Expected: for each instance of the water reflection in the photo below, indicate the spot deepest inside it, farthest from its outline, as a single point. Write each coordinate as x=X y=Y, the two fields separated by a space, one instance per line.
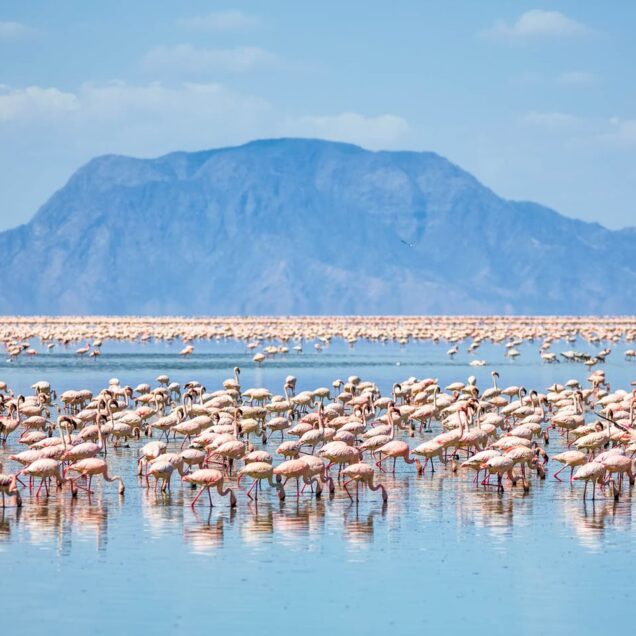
x=359 y=523
x=207 y=532
x=258 y=522
x=5 y=522
x=414 y=502
x=298 y=519
x=56 y=523
x=591 y=520
x=162 y=512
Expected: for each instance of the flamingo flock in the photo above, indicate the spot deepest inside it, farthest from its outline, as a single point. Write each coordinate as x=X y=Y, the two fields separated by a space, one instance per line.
x=268 y=337
x=347 y=438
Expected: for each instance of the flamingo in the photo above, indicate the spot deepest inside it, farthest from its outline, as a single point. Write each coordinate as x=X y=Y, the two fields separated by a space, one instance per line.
x=571 y=458
x=12 y=421
x=258 y=471
x=44 y=468
x=340 y=453
x=429 y=450
x=298 y=469
x=592 y=471
x=148 y=452
x=9 y=486
x=395 y=448
x=208 y=478
x=362 y=473
x=499 y=465
x=616 y=463
x=92 y=467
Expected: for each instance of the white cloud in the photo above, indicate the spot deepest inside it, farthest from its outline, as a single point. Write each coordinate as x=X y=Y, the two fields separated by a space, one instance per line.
x=14 y=30
x=622 y=132
x=550 y=120
x=142 y=119
x=585 y=132
x=537 y=23
x=185 y=58
x=154 y=118
x=382 y=131
x=576 y=78
x=220 y=21
x=34 y=102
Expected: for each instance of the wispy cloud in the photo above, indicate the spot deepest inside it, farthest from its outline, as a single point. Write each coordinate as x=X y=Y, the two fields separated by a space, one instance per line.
x=382 y=131
x=622 y=132
x=153 y=118
x=551 y=120
x=585 y=131
x=186 y=58
x=576 y=78
x=537 y=23
x=138 y=119
x=14 y=30
x=220 y=21
x=34 y=102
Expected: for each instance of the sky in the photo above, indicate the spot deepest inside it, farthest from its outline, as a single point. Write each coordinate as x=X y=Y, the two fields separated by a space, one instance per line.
x=538 y=101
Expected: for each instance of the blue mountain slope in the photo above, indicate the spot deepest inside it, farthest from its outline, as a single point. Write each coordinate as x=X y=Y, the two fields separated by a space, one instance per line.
x=305 y=226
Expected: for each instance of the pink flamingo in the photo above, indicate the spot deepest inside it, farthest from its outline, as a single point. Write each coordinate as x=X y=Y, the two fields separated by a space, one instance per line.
x=209 y=478
x=395 y=449
x=91 y=467
x=362 y=473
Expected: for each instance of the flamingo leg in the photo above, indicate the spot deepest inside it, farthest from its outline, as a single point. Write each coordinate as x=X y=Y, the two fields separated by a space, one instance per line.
x=90 y=492
x=251 y=488
x=556 y=475
x=197 y=497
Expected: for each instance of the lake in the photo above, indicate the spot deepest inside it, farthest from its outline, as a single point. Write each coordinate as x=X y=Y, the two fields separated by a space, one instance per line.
x=443 y=555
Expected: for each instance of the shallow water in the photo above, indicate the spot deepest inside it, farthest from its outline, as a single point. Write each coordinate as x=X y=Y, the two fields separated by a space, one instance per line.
x=441 y=555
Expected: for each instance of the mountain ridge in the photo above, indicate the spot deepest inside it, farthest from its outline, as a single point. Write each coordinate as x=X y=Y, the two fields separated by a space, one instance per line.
x=301 y=226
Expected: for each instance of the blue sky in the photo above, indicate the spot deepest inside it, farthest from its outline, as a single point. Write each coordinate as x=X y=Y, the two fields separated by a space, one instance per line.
x=537 y=100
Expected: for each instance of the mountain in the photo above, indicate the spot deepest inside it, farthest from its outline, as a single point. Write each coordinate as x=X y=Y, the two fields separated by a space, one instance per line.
x=298 y=226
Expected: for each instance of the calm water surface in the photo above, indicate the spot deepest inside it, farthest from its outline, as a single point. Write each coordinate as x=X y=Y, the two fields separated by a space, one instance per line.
x=442 y=555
